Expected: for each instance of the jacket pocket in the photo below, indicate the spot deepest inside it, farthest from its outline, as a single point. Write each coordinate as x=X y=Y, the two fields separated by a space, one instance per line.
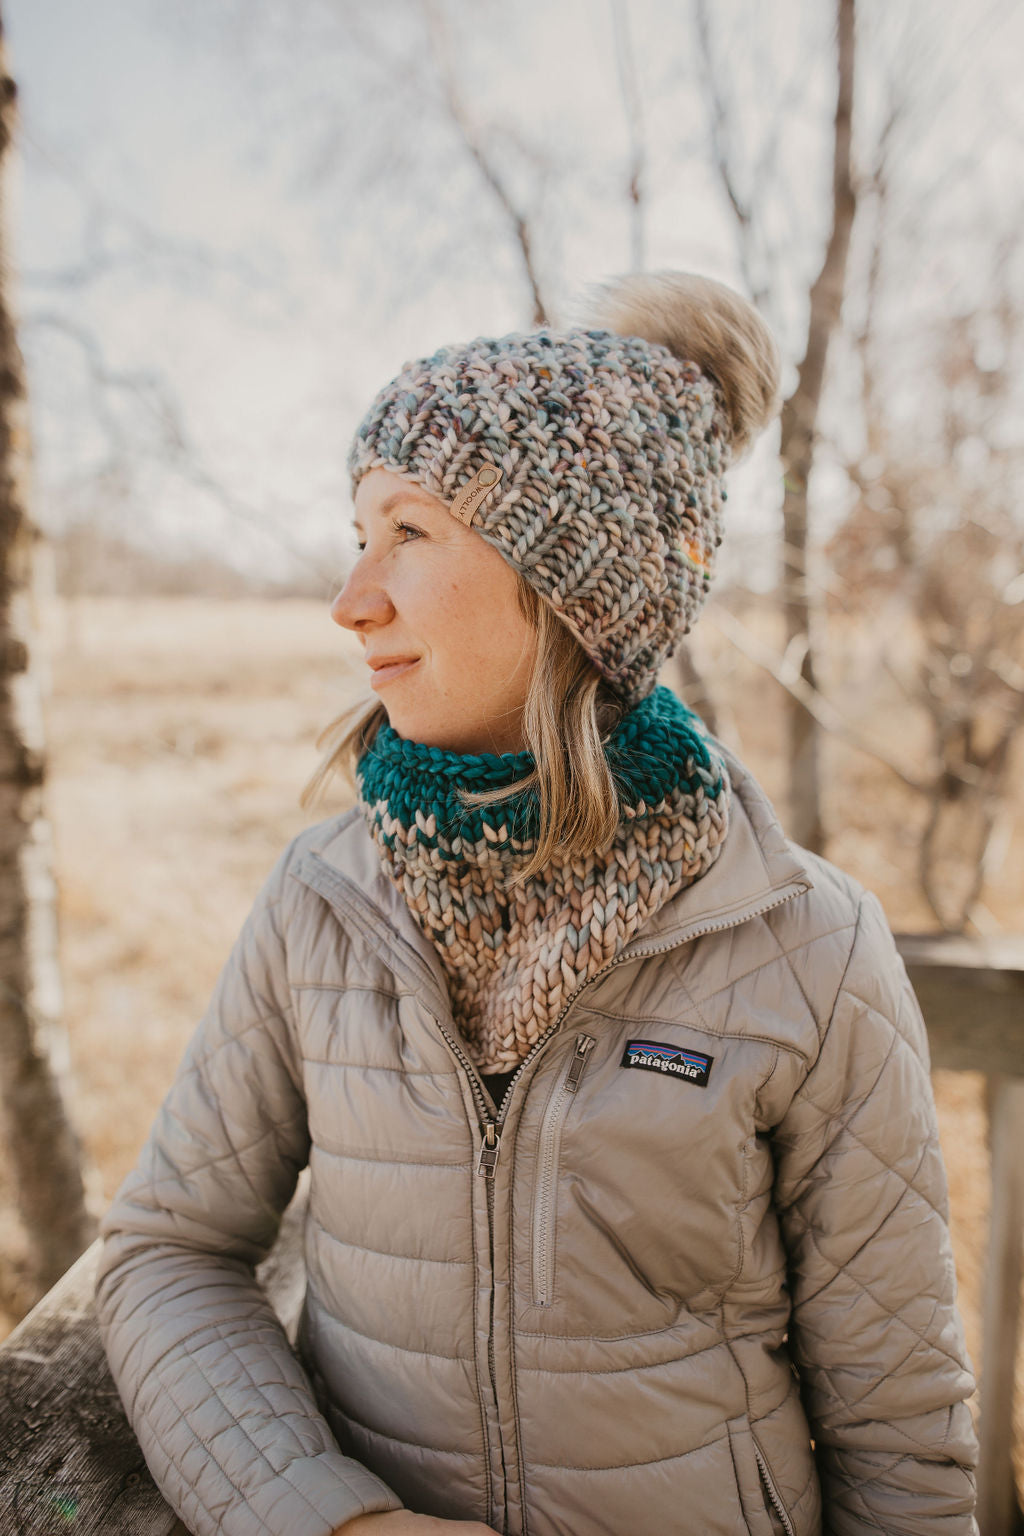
x=761 y=1501
x=545 y=1193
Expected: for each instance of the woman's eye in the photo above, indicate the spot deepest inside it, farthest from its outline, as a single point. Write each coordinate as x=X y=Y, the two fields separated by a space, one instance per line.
x=407 y=531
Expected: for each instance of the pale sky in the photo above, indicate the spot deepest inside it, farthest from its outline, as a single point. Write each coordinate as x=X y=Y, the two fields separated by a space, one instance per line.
x=256 y=214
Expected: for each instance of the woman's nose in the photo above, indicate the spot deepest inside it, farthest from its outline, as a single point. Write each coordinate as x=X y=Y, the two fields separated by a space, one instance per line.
x=362 y=602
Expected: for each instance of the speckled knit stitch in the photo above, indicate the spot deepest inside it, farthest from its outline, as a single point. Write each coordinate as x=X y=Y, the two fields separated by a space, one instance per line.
x=612 y=453
x=513 y=955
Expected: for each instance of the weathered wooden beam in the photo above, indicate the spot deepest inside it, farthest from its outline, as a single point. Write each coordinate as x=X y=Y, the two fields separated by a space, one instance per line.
x=997 y=1494
x=971 y=993
x=68 y=1457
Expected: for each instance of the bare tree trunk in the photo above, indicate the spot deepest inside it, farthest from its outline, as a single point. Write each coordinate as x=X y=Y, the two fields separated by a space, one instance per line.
x=799 y=425
x=43 y=1153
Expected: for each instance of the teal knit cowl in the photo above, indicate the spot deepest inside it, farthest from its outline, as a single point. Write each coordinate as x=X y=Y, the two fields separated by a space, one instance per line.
x=514 y=954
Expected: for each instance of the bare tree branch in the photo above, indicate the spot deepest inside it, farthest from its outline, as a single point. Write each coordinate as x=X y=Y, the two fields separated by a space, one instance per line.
x=788 y=676
x=471 y=137
x=115 y=239
x=175 y=448
x=718 y=123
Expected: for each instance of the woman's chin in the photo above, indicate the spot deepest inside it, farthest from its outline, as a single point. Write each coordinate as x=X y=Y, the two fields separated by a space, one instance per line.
x=415 y=725
x=412 y=718
x=427 y=731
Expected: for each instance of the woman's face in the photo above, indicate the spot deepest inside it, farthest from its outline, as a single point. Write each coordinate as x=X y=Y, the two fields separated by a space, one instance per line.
x=437 y=611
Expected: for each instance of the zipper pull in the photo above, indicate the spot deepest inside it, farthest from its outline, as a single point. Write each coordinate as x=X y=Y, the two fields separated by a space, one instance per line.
x=489 y=1150
x=584 y=1044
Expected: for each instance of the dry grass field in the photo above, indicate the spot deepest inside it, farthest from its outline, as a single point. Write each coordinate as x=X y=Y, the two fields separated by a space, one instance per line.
x=182 y=731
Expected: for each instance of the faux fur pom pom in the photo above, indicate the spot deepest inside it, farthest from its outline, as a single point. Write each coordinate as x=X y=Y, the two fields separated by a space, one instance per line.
x=700 y=321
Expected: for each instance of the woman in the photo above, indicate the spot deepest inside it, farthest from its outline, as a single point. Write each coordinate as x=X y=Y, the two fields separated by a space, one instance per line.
x=626 y=1210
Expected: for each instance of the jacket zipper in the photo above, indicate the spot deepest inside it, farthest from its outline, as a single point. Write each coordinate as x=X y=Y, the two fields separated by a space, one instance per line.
x=620 y=959
x=546 y=1187
x=491 y=1124
x=487 y=1160
x=490 y=1149
x=771 y=1490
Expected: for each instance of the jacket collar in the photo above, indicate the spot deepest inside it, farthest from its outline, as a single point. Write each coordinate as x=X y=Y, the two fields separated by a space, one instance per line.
x=757 y=869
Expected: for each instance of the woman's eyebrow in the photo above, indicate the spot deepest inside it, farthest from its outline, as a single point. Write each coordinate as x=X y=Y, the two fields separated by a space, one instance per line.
x=397 y=497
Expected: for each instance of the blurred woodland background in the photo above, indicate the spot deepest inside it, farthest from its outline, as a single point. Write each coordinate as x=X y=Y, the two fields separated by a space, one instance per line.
x=226 y=222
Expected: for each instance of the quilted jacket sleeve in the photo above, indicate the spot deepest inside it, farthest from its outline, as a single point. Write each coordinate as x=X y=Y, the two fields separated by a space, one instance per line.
x=861 y=1191
x=222 y=1410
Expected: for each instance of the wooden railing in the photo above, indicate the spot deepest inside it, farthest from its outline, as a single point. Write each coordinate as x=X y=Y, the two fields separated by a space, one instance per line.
x=69 y=1461
x=972 y=997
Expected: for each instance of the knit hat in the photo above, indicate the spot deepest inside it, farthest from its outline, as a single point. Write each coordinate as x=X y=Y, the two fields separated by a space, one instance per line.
x=593 y=459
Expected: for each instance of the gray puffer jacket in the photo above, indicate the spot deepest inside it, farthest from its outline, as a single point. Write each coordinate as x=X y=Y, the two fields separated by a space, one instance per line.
x=707 y=1228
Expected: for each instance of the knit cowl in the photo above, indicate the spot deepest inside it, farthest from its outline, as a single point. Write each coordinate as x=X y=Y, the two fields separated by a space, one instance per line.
x=515 y=951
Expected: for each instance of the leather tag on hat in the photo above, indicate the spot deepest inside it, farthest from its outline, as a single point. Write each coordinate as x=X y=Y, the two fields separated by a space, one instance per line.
x=474 y=493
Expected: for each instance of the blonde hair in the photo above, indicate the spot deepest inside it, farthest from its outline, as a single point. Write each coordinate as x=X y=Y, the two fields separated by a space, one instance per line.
x=568 y=715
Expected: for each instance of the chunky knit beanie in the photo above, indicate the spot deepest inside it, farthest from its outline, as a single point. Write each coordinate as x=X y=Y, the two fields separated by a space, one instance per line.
x=593 y=459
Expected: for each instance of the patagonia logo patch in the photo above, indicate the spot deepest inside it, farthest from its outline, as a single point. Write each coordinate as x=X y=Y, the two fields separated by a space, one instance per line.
x=669 y=1060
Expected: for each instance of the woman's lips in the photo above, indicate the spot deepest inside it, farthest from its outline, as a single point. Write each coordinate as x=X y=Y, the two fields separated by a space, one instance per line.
x=389 y=670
